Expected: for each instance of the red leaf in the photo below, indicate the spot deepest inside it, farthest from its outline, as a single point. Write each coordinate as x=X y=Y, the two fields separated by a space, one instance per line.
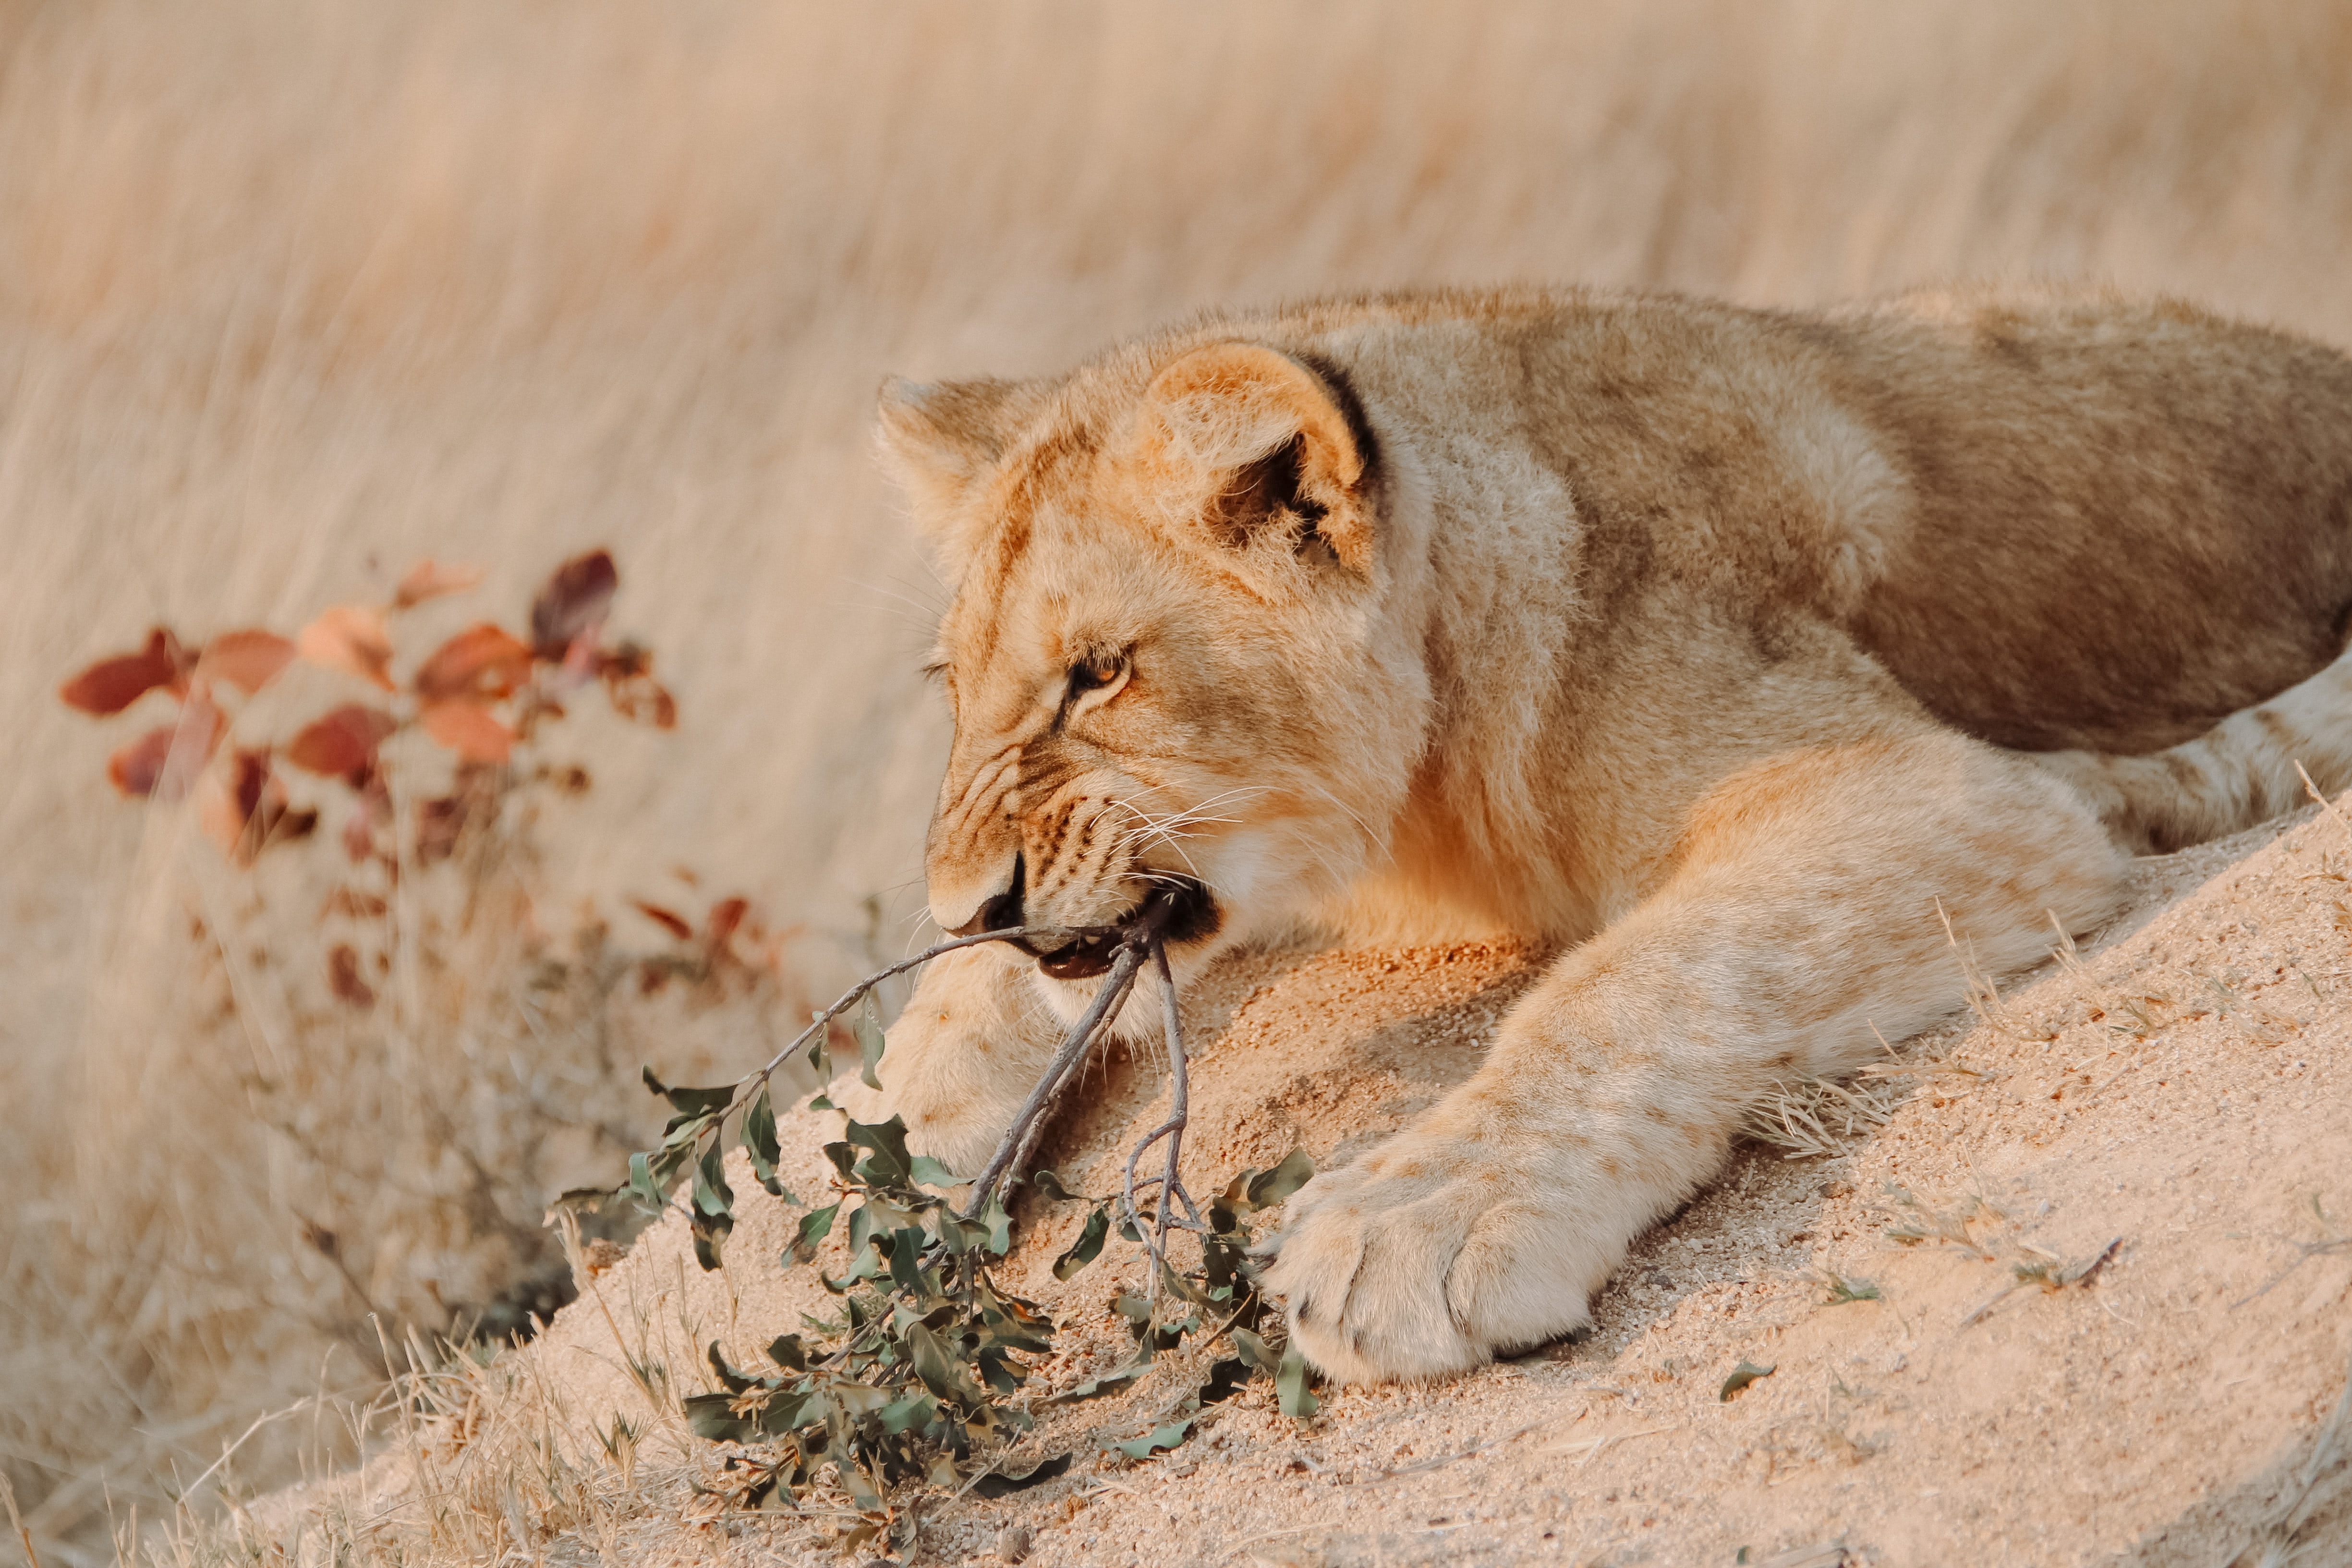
x=573 y=603
x=351 y=638
x=114 y=684
x=243 y=806
x=343 y=974
x=725 y=915
x=640 y=699
x=468 y=730
x=429 y=580
x=247 y=661
x=343 y=745
x=481 y=664
x=164 y=762
x=669 y=922
x=137 y=767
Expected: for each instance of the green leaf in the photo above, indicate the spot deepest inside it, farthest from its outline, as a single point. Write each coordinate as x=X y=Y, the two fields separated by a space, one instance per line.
x=1284 y=1179
x=713 y=1219
x=760 y=1142
x=862 y=1495
x=1172 y=1282
x=786 y=1351
x=1087 y=1247
x=858 y=1398
x=689 y=1102
x=890 y=1164
x=933 y=1364
x=1136 y=1310
x=823 y=1102
x=959 y=1237
x=917 y=1409
x=869 y=1041
x=907 y=1262
x=1000 y=1225
x=1746 y=1373
x=999 y=1372
x=585 y=1200
x=1290 y=1385
x=710 y=1416
x=1222 y=1259
x=815 y=1228
x=865 y=1264
x=712 y=1195
x=1156 y=1440
x=1050 y=1185
x=789 y=1412
x=642 y=1185
x=931 y=1173
x=732 y=1381
x=1095 y=1388
x=1003 y=1482
x=1253 y=1350
x=711 y=1234
x=1225 y=1380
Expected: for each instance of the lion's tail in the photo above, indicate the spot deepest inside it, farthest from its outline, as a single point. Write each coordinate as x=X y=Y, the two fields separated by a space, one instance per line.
x=2235 y=776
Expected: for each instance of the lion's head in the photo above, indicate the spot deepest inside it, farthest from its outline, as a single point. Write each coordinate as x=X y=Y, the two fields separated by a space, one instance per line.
x=1171 y=652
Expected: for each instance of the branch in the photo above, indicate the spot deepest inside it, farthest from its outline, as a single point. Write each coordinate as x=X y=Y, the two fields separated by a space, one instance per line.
x=856 y=993
x=1021 y=1137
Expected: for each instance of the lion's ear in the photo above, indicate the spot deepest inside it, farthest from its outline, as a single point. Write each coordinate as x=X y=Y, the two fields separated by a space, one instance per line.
x=939 y=440
x=1277 y=448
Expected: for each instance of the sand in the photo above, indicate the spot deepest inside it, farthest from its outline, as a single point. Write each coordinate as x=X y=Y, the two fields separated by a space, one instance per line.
x=2100 y=1239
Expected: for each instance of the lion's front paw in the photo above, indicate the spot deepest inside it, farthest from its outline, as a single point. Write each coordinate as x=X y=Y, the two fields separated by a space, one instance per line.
x=1431 y=1256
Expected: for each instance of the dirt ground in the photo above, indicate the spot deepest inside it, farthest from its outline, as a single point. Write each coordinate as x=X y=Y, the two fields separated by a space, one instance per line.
x=2163 y=1118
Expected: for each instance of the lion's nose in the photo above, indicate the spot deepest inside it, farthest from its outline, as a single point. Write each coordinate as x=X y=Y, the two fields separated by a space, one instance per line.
x=1000 y=911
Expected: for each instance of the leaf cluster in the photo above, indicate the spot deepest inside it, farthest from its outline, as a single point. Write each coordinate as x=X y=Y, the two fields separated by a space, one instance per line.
x=920 y=1371
x=1220 y=1299
x=477 y=695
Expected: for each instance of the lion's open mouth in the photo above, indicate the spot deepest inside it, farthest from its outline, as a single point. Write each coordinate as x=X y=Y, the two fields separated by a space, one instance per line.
x=1180 y=912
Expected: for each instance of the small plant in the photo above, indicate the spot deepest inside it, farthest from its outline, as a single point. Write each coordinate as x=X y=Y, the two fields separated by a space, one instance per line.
x=919 y=1371
x=413 y=795
x=478 y=695
x=1842 y=1289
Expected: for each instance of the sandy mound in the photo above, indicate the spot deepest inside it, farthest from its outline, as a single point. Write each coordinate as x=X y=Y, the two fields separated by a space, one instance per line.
x=2173 y=1104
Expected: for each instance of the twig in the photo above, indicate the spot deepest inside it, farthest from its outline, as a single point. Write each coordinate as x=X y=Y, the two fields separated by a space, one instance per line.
x=1439 y=1463
x=1171 y=1189
x=2304 y=1251
x=258 y=1423
x=2334 y=812
x=8 y=1496
x=1020 y=1136
x=856 y=993
x=1594 y=1448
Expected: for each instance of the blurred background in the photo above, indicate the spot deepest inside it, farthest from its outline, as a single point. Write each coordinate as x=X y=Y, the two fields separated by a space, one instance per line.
x=292 y=295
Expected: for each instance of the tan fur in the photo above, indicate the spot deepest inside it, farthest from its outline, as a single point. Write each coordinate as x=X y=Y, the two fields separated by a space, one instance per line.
x=1687 y=636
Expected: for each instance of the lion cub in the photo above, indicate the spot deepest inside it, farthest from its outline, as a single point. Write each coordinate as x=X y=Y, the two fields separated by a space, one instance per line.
x=1734 y=649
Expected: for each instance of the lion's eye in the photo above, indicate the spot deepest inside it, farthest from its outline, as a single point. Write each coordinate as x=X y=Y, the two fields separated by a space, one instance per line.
x=1094 y=674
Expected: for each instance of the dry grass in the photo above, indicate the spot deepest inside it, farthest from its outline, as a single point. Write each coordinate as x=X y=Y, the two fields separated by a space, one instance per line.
x=291 y=293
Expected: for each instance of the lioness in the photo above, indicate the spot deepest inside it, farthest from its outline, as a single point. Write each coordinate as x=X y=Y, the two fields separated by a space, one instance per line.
x=1732 y=649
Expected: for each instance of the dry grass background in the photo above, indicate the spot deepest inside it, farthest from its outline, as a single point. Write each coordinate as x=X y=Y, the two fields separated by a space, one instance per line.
x=290 y=294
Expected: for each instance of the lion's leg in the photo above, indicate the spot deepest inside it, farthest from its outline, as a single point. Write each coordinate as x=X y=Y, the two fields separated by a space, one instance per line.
x=969 y=1047
x=1802 y=913
x=2236 y=774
